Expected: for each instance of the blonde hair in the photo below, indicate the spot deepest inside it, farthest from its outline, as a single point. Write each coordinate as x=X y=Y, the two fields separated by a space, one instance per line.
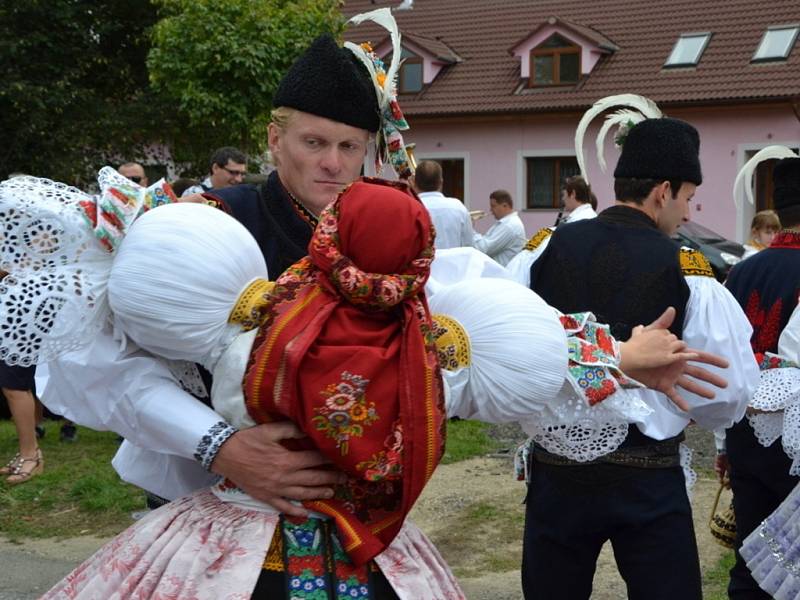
x=282 y=116
x=765 y=219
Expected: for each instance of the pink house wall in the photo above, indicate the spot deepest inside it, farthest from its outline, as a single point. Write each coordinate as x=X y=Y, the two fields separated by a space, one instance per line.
x=494 y=155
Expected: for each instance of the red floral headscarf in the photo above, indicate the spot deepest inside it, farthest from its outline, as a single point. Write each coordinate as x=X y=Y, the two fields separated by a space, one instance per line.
x=346 y=351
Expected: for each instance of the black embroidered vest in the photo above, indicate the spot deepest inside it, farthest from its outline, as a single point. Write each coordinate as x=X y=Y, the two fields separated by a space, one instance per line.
x=766 y=285
x=618 y=266
x=280 y=226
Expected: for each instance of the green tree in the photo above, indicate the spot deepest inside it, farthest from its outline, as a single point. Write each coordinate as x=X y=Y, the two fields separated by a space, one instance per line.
x=75 y=89
x=221 y=61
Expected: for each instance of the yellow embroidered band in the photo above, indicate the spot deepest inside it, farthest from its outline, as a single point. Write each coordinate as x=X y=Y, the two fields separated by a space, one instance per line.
x=452 y=343
x=248 y=309
x=693 y=262
x=537 y=238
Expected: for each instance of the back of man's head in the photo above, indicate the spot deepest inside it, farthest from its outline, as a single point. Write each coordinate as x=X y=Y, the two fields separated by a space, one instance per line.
x=221 y=156
x=786 y=195
x=428 y=176
x=577 y=185
x=502 y=197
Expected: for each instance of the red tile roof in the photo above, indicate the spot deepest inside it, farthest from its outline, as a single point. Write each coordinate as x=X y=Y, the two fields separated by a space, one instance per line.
x=480 y=32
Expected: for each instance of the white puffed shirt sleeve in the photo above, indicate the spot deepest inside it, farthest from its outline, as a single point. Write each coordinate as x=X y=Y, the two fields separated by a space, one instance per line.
x=131 y=393
x=715 y=323
x=520 y=265
x=499 y=237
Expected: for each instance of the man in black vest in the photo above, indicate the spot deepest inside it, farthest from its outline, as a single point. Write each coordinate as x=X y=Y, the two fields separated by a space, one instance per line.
x=766 y=285
x=623 y=267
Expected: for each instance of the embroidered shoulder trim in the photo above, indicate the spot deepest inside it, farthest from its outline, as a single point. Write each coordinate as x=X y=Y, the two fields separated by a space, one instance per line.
x=211 y=442
x=693 y=262
x=537 y=238
x=248 y=310
x=212 y=200
x=452 y=343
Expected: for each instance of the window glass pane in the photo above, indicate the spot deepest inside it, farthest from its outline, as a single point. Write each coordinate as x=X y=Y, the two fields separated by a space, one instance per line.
x=555 y=41
x=406 y=53
x=411 y=77
x=687 y=50
x=776 y=43
x=540 y=182
x=567 y=168
x=569 y=67
x=543 y=69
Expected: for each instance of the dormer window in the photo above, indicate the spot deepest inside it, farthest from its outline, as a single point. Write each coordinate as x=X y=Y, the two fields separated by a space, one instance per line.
x=556 y=61
x=688 y=50
x=409 y=80
x=776 y=44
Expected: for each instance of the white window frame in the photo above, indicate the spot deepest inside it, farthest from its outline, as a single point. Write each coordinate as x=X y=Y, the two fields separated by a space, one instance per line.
x=760 y=59
x=746 y=211
x=706 y=35
x=519 y=198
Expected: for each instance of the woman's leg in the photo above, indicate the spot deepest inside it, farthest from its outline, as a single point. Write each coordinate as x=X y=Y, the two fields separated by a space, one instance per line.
x=23 y=409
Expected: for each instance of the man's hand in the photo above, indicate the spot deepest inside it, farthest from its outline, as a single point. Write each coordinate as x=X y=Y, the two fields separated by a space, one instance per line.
x=722 y=468
x=255 y=461
x=195 y=198
x=659 y=360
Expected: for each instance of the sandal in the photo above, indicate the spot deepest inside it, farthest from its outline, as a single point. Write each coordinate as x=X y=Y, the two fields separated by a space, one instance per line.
x=20 y=475
x=12 y=464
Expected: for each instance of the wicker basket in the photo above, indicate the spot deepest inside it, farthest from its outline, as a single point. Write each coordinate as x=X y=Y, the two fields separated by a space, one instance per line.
x=723 y=523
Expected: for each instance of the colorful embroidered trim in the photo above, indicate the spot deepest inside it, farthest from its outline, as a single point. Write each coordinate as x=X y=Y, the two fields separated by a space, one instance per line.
x=593 y=358
x=306 y=215
x=768 y=360
x=786 y=238
x=537 y=239
x=693 y=262
x=452 y=343
x=316 y=566
x=250 y=305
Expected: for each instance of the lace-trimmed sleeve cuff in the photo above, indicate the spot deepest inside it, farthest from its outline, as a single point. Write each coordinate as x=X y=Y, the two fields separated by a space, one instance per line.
x=594 y=359
x=211 y=442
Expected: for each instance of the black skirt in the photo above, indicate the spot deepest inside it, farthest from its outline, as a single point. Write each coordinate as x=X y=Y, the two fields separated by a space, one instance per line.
x=17 y=378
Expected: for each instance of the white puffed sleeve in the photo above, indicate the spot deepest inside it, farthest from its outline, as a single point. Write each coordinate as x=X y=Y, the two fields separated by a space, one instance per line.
x=520 y=266
x=716 y=323
x=129 y=392
x=454 y=265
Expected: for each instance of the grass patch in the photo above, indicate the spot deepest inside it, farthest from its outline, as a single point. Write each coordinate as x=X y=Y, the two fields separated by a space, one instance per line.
x=466 y=545
x=715 y=581
x=79 y=492
x=466 y=439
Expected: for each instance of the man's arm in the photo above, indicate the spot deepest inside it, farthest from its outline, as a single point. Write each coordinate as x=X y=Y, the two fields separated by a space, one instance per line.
x=466 y=229
x=495 y=240
x=135 y=395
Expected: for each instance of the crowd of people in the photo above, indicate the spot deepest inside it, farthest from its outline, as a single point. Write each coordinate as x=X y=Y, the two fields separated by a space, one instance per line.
x=281 y=359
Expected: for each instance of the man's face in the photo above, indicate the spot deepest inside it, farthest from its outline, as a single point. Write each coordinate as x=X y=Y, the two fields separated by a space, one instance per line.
x=675 y=208
x=498 y=209
x=135 y=173
x=230 y=174
x=317 y=157
x=569 y=200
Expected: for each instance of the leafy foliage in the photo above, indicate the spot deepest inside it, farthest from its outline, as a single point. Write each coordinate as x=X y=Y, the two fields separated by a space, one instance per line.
x=74 y=86
x=222 y=62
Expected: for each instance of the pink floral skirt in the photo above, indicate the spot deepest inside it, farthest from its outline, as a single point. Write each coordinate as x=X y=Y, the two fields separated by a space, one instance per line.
x=201 y=548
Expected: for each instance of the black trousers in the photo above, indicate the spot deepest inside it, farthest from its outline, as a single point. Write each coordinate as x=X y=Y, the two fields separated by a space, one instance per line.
x=760 y=481
x=573 y=510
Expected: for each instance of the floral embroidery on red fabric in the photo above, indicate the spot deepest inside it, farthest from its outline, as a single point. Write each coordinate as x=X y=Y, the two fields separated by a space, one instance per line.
x=766 y=323
x=386 y=464
x=346 y=411
x=786 y=239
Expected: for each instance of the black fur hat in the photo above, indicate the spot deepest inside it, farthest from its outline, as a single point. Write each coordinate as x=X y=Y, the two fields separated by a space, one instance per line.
x=328 y=81
x=661 y=149
x=786 y=179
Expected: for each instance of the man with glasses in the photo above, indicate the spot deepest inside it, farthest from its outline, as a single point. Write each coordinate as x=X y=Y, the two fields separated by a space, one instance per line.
x=134 y=172
x=228 y=165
